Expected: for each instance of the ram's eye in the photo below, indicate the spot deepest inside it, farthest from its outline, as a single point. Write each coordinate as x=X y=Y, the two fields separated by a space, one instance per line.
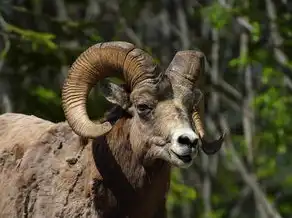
x=143 y=107
x=143 y=110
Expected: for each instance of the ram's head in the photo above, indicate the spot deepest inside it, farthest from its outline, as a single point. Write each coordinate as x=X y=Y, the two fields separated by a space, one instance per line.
x=161 y=107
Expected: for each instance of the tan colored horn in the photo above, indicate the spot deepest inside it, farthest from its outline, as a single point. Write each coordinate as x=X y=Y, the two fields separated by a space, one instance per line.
x=208 y=147
x=94 y=64
x=185 y=72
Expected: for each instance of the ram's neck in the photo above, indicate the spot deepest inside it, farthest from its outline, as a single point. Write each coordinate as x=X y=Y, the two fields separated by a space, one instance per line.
x=124 y=178
x=114 y=157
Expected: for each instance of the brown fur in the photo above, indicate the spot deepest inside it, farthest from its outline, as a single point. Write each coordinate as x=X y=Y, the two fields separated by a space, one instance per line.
x=47 y=172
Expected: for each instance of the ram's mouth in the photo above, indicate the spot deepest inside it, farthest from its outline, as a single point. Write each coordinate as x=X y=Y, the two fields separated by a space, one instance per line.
x=186 y=158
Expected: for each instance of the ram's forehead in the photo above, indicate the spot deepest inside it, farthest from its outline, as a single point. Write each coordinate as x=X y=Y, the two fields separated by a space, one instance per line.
x=165 y=90
x=160 y=91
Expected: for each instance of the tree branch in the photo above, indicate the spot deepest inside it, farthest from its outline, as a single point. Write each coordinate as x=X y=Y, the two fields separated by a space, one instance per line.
x=4 y=97
x=183 y=26
x=246 y=176
x=277 y=42
x=236 y=210
x=240 y=20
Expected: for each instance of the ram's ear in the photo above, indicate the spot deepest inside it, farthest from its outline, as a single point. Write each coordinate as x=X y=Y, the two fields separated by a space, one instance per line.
x=198 y=96
x=115 y=94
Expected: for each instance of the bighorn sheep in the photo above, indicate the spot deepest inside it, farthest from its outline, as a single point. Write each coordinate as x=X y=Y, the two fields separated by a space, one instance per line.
x=124 y=170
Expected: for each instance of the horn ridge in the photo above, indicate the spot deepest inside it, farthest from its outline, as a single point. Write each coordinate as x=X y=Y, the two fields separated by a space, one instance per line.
x=94 y=64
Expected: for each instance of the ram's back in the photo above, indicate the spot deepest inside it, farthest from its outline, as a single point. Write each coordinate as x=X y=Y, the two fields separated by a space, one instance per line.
x=44 y=169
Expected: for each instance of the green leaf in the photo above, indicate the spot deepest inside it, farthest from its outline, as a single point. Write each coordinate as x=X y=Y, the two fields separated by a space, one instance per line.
x=179 y=193
x=217 y=15
x=37 y=38
x=46 y=95
x=256 y=31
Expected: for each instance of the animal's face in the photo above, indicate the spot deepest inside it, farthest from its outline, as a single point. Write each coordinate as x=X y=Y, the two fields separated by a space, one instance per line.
x=160 y=103
x=161 y=121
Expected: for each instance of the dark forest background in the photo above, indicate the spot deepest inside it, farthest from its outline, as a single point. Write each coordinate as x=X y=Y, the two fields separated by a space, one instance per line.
x=248 y=85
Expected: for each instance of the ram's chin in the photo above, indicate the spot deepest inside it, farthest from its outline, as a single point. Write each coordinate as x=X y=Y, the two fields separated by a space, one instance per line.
x=181 y=162
x=181 y=156
x=172 y=155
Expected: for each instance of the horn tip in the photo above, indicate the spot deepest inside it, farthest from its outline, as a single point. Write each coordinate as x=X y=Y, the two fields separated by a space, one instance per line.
x=105 y=128
x=211 y=148
x=95 y=132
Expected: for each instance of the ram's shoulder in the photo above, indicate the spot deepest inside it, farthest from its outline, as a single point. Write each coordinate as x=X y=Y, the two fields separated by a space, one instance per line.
x=28 y=131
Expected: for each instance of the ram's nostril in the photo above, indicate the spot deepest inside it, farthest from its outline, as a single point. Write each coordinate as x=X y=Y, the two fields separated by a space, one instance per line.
x=195 y=142
x=184 y=139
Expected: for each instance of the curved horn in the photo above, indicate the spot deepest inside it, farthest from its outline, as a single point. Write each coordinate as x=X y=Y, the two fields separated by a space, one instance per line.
x=208 y=147
x=186 y=68
x=94 y=64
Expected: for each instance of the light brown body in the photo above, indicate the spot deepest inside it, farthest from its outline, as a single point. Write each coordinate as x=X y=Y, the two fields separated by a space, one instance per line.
x=37 y=180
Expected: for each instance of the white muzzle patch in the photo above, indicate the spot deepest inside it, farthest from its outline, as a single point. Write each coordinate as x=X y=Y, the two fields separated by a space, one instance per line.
x=184 y=146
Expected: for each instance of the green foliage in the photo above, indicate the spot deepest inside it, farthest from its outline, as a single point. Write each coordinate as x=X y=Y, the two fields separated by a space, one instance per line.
x=256 y=31
x=273 y=107
x=36 y=38
x=179 y=193
x=241 y=61
x=217 y=15
x=46 y=95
